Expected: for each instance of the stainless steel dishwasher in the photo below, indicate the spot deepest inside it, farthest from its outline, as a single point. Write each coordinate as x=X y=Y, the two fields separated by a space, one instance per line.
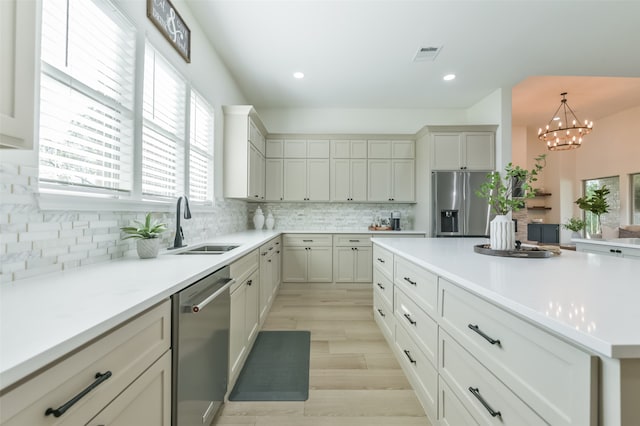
x=200 y=349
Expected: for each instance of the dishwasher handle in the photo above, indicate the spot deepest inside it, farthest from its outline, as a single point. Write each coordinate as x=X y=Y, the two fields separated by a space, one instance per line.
x=200 y=306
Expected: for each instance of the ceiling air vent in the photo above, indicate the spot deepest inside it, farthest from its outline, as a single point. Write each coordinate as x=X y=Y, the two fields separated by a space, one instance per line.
x=427 y=53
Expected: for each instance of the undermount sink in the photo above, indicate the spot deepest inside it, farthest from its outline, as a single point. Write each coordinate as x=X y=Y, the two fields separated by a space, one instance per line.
x=210 y=249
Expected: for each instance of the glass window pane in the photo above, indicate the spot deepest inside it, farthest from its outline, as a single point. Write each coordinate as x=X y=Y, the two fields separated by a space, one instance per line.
x=635 y=198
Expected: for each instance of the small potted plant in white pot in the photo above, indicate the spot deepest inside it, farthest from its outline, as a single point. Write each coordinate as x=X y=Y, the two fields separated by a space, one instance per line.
x=575 y=225
x=506 y=193
x=147 y=235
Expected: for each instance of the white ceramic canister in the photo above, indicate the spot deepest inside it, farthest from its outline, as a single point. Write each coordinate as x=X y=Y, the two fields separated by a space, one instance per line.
x=258 y=218
x=270 y=221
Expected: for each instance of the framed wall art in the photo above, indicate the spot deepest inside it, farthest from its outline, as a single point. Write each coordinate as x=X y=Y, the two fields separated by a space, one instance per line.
x=171 y=25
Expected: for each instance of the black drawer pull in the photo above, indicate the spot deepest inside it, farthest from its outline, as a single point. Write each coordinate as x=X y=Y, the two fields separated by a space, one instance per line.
x=380 y=260
x=249 y=282
x=381 y=313
x=476 y=393
x=411 y=321
x=407 y=279
x=100 y=377
x=380 y=286
x=307 y=241
x=487 y=338
x=354 y=241
x=408 y=354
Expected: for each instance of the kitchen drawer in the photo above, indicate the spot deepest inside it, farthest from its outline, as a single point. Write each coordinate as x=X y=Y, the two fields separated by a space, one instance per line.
x=126 y=352
x=451 y=412
x=383 y=286
x=307 y=240
x=243 y=267
x=556 y=379
x=420 y=372
x=419 y=284
x=488 y=400
x=383 y=259
x=270 y=246
x=420 y=326
x=352 y=240
x=384 y=317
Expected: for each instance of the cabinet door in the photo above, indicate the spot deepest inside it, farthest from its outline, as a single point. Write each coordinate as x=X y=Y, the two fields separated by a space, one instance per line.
x=276 y=272
x=319 y=265
x=363 y=265
x=274 y=148
x=294 y=264
x=403 y=149
x=379 y=149
x=295 y=179
x=358 y=180
x=534 y=232
x=445 y=151
x=273 y=179
x=403 y=180
x=340 y=180
x=478 y=151
x=252 y=306
x=317 y=148
x=318 y=179
x=237 y=330
x=343 y=264
x=265 y=284
x=340 y=149
x=295 y=148
x=255 y=173
x=550 y=234
x=379 y=182
x=19 y=72
x=147 y=401
x=358 y=148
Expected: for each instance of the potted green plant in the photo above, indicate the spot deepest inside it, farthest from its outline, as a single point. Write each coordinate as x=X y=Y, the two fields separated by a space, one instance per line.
x=575 y=225
x=506 y=193
x=597 y=204
x=147 y=235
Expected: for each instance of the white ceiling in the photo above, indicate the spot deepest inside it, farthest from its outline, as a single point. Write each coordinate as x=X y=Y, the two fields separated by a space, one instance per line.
x=358 y=53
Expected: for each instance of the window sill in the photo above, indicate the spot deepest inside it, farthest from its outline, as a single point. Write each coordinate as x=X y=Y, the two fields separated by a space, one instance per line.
x=57 y=202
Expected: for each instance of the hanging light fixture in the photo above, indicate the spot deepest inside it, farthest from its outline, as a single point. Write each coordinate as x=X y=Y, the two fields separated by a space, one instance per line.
x=567 y=134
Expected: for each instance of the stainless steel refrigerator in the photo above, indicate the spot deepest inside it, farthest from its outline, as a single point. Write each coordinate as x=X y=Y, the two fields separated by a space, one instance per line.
x=457 y=210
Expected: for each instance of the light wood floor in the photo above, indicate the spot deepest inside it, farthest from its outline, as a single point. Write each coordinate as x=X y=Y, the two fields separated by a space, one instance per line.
x=354 y=378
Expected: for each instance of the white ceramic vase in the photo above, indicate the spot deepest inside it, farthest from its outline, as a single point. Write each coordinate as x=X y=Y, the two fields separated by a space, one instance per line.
x=502 y=233
x=270 y=221
x=148 y=248
x=258 y=219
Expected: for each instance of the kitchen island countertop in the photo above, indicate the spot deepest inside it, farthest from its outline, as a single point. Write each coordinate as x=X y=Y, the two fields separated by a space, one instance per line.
x=588 y=299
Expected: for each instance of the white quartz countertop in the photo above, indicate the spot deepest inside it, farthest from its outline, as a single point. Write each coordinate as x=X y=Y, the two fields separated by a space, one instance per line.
x=589 y=299
x=45 y=317
x=615 y=242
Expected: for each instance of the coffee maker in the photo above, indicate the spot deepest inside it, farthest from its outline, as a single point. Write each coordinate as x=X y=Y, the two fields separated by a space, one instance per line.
x=395 y=221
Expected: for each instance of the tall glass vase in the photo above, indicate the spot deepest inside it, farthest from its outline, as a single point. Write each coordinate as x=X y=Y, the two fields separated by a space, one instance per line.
x=596 y=231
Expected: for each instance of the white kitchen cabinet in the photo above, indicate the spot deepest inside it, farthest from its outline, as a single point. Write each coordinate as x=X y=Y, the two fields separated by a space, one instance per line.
x=133 y=361
x=463 y=150
x=244 y=146
x=348 y=180
x=349 y=148
x=269 y=275
x=306 y=179
x=391 y=149
x=244 y=315
x=135 y=405
x=352 y=258
x=19 y=72
x=274 y=179
x=608 y=249
x=256 y=174
x=391 y=180
x=300 y=148
x=379 y=149
x=307 y=258
x=274 y=148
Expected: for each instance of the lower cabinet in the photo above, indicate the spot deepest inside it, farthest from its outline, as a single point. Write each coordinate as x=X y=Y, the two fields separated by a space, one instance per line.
x=352 y=258
x=471 y=362
x=307 y=258
x=543 y=233
x=269 y=275
x=609 y=250
x=129 y=368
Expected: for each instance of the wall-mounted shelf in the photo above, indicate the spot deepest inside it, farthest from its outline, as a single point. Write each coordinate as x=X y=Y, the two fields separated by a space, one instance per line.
x=542 y=194
x=538 y=208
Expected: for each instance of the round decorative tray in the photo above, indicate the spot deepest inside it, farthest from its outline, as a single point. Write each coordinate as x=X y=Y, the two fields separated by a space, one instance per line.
x=528 y=252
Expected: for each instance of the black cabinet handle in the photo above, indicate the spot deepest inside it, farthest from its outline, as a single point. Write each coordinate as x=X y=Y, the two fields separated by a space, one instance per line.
x=480 y=332
x=476 y=393
x=100 y=377
x=249 y=282
x=307 y=241
x=381 y=313
x=411 y=321
x=380 y=286
x=354 y=241
x=407 y=279
x=380 y=260
x=408 y=354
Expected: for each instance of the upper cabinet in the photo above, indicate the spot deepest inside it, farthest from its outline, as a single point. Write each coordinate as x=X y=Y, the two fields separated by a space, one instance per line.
x=19 y=70
x=463 y=150
x=244 y=153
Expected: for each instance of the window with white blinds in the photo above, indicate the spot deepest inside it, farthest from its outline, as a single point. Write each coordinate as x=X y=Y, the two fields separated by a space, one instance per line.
x=163 y=134
x=200 y=149
x=87 y=96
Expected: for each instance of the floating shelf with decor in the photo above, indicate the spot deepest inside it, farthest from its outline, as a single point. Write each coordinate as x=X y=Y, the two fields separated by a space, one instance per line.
x=541 y=207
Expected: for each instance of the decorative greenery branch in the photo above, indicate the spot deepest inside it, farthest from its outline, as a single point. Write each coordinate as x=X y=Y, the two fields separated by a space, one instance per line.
x=575 y=224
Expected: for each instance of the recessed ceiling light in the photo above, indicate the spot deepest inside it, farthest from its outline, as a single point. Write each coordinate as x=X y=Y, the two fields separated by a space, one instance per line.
x=449 y=77
x=298 y=75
